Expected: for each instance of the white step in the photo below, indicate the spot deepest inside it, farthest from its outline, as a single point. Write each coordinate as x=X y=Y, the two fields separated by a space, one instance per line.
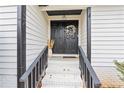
x=62 y=73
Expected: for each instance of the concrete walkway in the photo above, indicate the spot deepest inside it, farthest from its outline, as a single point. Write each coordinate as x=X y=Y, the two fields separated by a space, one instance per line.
x=63 y=73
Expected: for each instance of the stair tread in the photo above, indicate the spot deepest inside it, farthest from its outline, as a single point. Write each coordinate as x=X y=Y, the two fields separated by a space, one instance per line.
x=62 y=73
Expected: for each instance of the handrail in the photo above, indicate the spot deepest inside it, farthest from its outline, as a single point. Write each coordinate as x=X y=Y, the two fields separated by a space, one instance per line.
x=34 y=72
x=87 y=70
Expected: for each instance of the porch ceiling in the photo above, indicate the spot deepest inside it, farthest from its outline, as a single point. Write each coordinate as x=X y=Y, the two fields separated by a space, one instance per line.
x=64 y=12
x=61 y=7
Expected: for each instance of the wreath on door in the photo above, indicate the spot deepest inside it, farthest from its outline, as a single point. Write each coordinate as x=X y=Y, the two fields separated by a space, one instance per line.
x=70 y=31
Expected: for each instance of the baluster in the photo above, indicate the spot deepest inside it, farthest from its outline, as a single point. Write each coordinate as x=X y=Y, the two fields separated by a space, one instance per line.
x=85 y=72
x=91 y=82
x=34 y=77
x=47 y=56
x=37 y=76
x=43 y=61
x=38 y=69
x=29 y=81
x=40 y=66
x=83 y=65
x=86 y=76
x=26 y=83
x=88 y=79
x=79 y=61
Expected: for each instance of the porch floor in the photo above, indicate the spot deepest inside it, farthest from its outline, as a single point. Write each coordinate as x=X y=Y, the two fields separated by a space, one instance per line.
x=109 y=77
x=63 y=73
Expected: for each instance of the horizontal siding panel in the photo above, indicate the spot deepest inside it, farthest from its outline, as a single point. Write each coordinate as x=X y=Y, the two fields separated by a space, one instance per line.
x=105 y=60
x=36 y=33
x=8 y=59
x=8 y=65
x=108 y=47
x=8 y=27
x=34 y=46
x=8 y=21
x=8 y=34
x=103 y=64
x=121 y=12
x=109 y=42
x=108 y=30
x=32 y=41
x=6 y=41
x=30 y=31
x=105 y=17
x=107 y=35
x=108 y=52
x=108 y=8
x=37 y=15
x=5 y=15
x=33 y=21
x=108 y=38
x=4 y=81
x=109 y=21
x=32 y=36
x=7 y=71
x=108 y=55
x=33 y=27
x=8 y=53
x=31 y=58
x=32 y=52
x=107 y=25
x=8 y=9
x=8 y=46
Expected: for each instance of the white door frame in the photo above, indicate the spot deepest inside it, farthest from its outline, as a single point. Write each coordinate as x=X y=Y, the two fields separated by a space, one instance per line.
x=67 y=17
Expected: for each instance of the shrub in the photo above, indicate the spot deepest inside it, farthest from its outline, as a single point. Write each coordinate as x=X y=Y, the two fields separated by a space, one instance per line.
x=120 y=68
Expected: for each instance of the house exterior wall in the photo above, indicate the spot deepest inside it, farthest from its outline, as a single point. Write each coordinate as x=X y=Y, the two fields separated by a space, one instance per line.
x=107 y=35
x=83 y=33
x=36 y=33
x=8 y=46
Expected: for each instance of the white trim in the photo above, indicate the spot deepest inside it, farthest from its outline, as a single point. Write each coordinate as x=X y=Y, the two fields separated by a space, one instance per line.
x=67 y=55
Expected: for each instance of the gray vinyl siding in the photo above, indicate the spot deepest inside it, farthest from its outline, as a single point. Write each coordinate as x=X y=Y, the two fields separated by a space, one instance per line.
x=107 y=35
x=36 y=33
x=84 y=31
x=8 y=46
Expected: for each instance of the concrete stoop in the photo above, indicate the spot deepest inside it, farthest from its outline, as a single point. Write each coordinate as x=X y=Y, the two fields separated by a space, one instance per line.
x=63 y=73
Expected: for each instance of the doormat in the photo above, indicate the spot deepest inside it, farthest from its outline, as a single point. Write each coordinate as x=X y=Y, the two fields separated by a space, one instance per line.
x=69 y=57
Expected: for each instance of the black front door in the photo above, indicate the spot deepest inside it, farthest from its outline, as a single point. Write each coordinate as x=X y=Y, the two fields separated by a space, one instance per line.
x=65 y=36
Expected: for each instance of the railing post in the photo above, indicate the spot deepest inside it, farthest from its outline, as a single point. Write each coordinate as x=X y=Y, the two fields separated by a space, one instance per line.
x=21 y=43
x=89 y=33
x=88 y=40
